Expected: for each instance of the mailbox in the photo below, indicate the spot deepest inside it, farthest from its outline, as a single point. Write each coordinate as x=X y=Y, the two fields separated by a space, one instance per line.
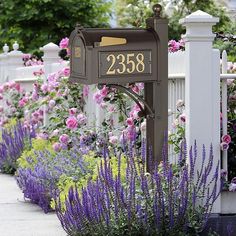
x=113 y=55
x=116 y=57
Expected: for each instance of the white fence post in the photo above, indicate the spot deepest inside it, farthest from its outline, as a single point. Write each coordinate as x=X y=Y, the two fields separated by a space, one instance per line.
x=202 y=87
x=14 y=61
x=3 y=63
x=50 y=56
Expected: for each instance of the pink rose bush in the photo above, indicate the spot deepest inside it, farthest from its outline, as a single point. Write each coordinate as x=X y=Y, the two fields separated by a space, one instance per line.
x=55 y=98
x=31 y=60
x=13 y=100
x=175 y=46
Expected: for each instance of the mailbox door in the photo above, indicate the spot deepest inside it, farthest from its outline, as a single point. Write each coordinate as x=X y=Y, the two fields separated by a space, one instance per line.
x=78 y=55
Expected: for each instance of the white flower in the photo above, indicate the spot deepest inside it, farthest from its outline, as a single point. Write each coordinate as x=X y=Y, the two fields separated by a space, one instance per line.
x=232 y=187
x=180 y=103
x=143 y=126
x=113 y=139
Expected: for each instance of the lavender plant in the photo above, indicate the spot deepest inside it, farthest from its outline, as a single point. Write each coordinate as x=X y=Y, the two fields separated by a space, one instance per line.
x=12 y=144
x=40 y=180
x=162 y=202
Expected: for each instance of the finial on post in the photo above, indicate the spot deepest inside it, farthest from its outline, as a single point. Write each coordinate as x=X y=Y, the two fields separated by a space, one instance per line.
x=157 y=9
x=15 y=46
x=5 y=48
x=78 y=26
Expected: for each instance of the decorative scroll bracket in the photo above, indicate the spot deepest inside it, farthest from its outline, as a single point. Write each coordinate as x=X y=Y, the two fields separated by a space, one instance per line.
x=146 y=112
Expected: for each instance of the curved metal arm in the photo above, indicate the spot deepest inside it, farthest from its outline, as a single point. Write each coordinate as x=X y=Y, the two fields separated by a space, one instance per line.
x=148 y=112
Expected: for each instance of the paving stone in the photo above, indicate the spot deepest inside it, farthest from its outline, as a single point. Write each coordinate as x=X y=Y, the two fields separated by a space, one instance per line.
x=22 y=218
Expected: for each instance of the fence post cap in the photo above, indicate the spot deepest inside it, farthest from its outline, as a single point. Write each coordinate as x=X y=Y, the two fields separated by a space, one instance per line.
x=5 y=48
x=50 y=47
x=199 y=17
x=15 y=46
x=199 y=27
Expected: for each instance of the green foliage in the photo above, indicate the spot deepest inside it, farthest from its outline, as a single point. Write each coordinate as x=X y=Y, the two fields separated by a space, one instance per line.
x=188 y=6
x=227 y=41
x=135 y=12
x=36 y=22
x=28 y=158
x=80 y=181
x=9 y=125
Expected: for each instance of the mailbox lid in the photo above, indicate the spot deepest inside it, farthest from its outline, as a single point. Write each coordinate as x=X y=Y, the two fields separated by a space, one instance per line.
x=133 y=36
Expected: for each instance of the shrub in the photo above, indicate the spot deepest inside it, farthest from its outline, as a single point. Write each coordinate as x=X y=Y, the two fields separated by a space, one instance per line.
x=163 y=202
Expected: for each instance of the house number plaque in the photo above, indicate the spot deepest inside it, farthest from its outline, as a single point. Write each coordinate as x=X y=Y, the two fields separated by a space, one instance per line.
x=125 y=63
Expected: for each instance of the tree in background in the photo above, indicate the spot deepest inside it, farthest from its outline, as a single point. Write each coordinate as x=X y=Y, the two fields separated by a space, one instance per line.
x=34 y=23
x=134 y=12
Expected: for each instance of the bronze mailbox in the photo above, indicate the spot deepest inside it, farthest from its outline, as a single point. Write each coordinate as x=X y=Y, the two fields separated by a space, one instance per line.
x=101 y=56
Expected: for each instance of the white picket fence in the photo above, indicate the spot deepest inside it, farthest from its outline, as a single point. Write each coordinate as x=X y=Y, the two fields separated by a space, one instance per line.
x=195 y=76
x=25 y=76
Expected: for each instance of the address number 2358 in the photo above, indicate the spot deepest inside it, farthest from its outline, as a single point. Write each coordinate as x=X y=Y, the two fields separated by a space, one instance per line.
x=125 y=63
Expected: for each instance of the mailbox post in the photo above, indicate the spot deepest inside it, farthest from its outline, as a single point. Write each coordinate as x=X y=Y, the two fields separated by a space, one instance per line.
x=115 y=57
x=156 y=93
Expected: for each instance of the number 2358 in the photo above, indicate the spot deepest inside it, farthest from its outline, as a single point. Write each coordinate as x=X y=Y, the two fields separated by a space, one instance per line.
x=129 y=63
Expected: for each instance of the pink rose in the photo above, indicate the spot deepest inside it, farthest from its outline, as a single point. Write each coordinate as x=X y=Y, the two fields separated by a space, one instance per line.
x=135 y=88
x=98 y=98
x=130 y=122
x=66 y=71
x=82 y=119
x=64 y=138
x=35 y=96
x=56 y=147
x=1 y=96
x=12 y=84
x=21 y=103
x=72 y=111
x=17 y=87
x=226 y=138
x=1 y=109
x=104 y=91
x=64 y=43
x=44 y=88
x=72 y=123
x=173 y=45
x=85 y=91
x=35 y=114
x=1 y=89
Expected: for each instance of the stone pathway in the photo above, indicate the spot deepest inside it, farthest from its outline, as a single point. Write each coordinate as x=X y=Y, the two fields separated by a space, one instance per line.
x=20 y=218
